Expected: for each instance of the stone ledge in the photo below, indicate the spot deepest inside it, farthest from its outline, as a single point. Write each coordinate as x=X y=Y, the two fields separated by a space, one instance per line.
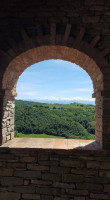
x=52 y=143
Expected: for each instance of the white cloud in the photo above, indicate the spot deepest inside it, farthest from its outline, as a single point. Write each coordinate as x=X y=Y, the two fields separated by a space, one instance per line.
x=52 y=98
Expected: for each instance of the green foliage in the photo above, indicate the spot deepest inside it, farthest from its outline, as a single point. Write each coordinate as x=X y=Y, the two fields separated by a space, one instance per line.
x=69 y=120
x=38 y=136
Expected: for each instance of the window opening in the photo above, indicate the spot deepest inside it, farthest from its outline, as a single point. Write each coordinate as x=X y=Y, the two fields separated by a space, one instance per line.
x=54 y=100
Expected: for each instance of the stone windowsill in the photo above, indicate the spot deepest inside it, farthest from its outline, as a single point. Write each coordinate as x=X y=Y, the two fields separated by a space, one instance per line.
x=52 y=143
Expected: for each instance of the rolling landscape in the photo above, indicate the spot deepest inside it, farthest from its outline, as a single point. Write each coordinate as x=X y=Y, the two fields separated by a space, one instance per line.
x=73 y=121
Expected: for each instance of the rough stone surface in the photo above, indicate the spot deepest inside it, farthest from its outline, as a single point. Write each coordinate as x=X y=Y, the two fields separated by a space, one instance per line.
x=89 y=181
x=76 y=31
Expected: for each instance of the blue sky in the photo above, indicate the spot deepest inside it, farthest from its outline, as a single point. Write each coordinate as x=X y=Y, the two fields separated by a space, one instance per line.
x=55 y=80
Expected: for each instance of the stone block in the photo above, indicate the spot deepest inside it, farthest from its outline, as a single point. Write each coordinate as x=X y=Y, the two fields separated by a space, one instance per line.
x=41 y=182
x=63 y=185
x=47 y=197
x=3 y=139
x=107 y=188
x=26 y=182
x=76 y=192
x=6 y=172
x=22 y=189
x=16 y=165
x=96 y=180
x=99 y=196
x=28 y=159
x=31 y=196
x=11 y=181
x=104 y=173
x=12 y=135
x=37 y=167
x=48 y=163
x=6 y=156
x=90 y=19
x=8 y=137
x=79 y=198
x=9 y=196
x=72 y=163
x=89 y=186
x=28 y=174
x=85 y=172
x=43 y=157
x=70 y=178
x=48 y=191
x=59 y=170
x=51 y=177
x=98 y=165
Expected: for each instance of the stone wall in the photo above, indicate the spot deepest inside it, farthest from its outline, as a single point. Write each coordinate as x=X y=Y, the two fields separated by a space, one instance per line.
x=99 y=119
x=7 y=119
x=28 y=174
x=35 y=55
x=76 y=31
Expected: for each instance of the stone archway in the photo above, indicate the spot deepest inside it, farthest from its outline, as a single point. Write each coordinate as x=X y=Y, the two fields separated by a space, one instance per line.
x=34 y=55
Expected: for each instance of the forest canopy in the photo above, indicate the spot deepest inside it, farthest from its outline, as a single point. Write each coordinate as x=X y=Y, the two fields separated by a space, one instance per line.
x=65 y=120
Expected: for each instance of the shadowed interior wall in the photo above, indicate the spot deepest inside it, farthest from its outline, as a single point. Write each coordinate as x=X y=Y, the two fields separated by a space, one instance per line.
x=81 y=26
x=54 y=174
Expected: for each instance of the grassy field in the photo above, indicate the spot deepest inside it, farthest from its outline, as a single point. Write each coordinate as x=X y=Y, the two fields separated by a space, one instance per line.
x=92 y=137
x=37 y=136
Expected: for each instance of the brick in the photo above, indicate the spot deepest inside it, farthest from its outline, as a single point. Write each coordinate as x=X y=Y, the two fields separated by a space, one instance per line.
x=48 y=191
x=79 y=198
x=99 y=196
x=98 y=165
x=90 y=19
x=60 y=198
x=85 y=172
x=26 y=182
x=31 y=196
x=48 y=163
x=43 y=157
x=104 y=173
x=5 y=156
x=89 y=186
x=16 y=165
x=37 y=167
x=47 y=197
x=96 y=180
x=63 y=185
x=54 y=157
x=22 y=189
x=77 y=192
x=72 y=163
x=3 y=189
x=9 y=196
x=11 y=181
x=51 y=177
x=107 y=188
x=70 y=178
x=28 y=174
x=41 y=182
x=59 y=170
x=28 y=159
x=6 y=172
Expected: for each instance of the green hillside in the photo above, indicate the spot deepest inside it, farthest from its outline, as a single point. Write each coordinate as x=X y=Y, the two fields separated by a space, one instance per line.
x=64 y=120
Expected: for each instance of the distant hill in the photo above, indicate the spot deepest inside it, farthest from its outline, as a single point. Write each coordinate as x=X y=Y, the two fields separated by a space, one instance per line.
x=62 y=101
x=65 y=120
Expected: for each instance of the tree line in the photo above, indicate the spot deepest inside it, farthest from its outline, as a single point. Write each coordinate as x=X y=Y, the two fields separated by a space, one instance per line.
x=67 y=120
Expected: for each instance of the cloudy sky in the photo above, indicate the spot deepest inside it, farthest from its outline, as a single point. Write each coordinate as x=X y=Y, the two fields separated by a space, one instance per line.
x=55 y=80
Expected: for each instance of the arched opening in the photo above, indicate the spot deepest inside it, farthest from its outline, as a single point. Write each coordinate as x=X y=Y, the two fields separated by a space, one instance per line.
x=57 y=102
x=21 y=62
